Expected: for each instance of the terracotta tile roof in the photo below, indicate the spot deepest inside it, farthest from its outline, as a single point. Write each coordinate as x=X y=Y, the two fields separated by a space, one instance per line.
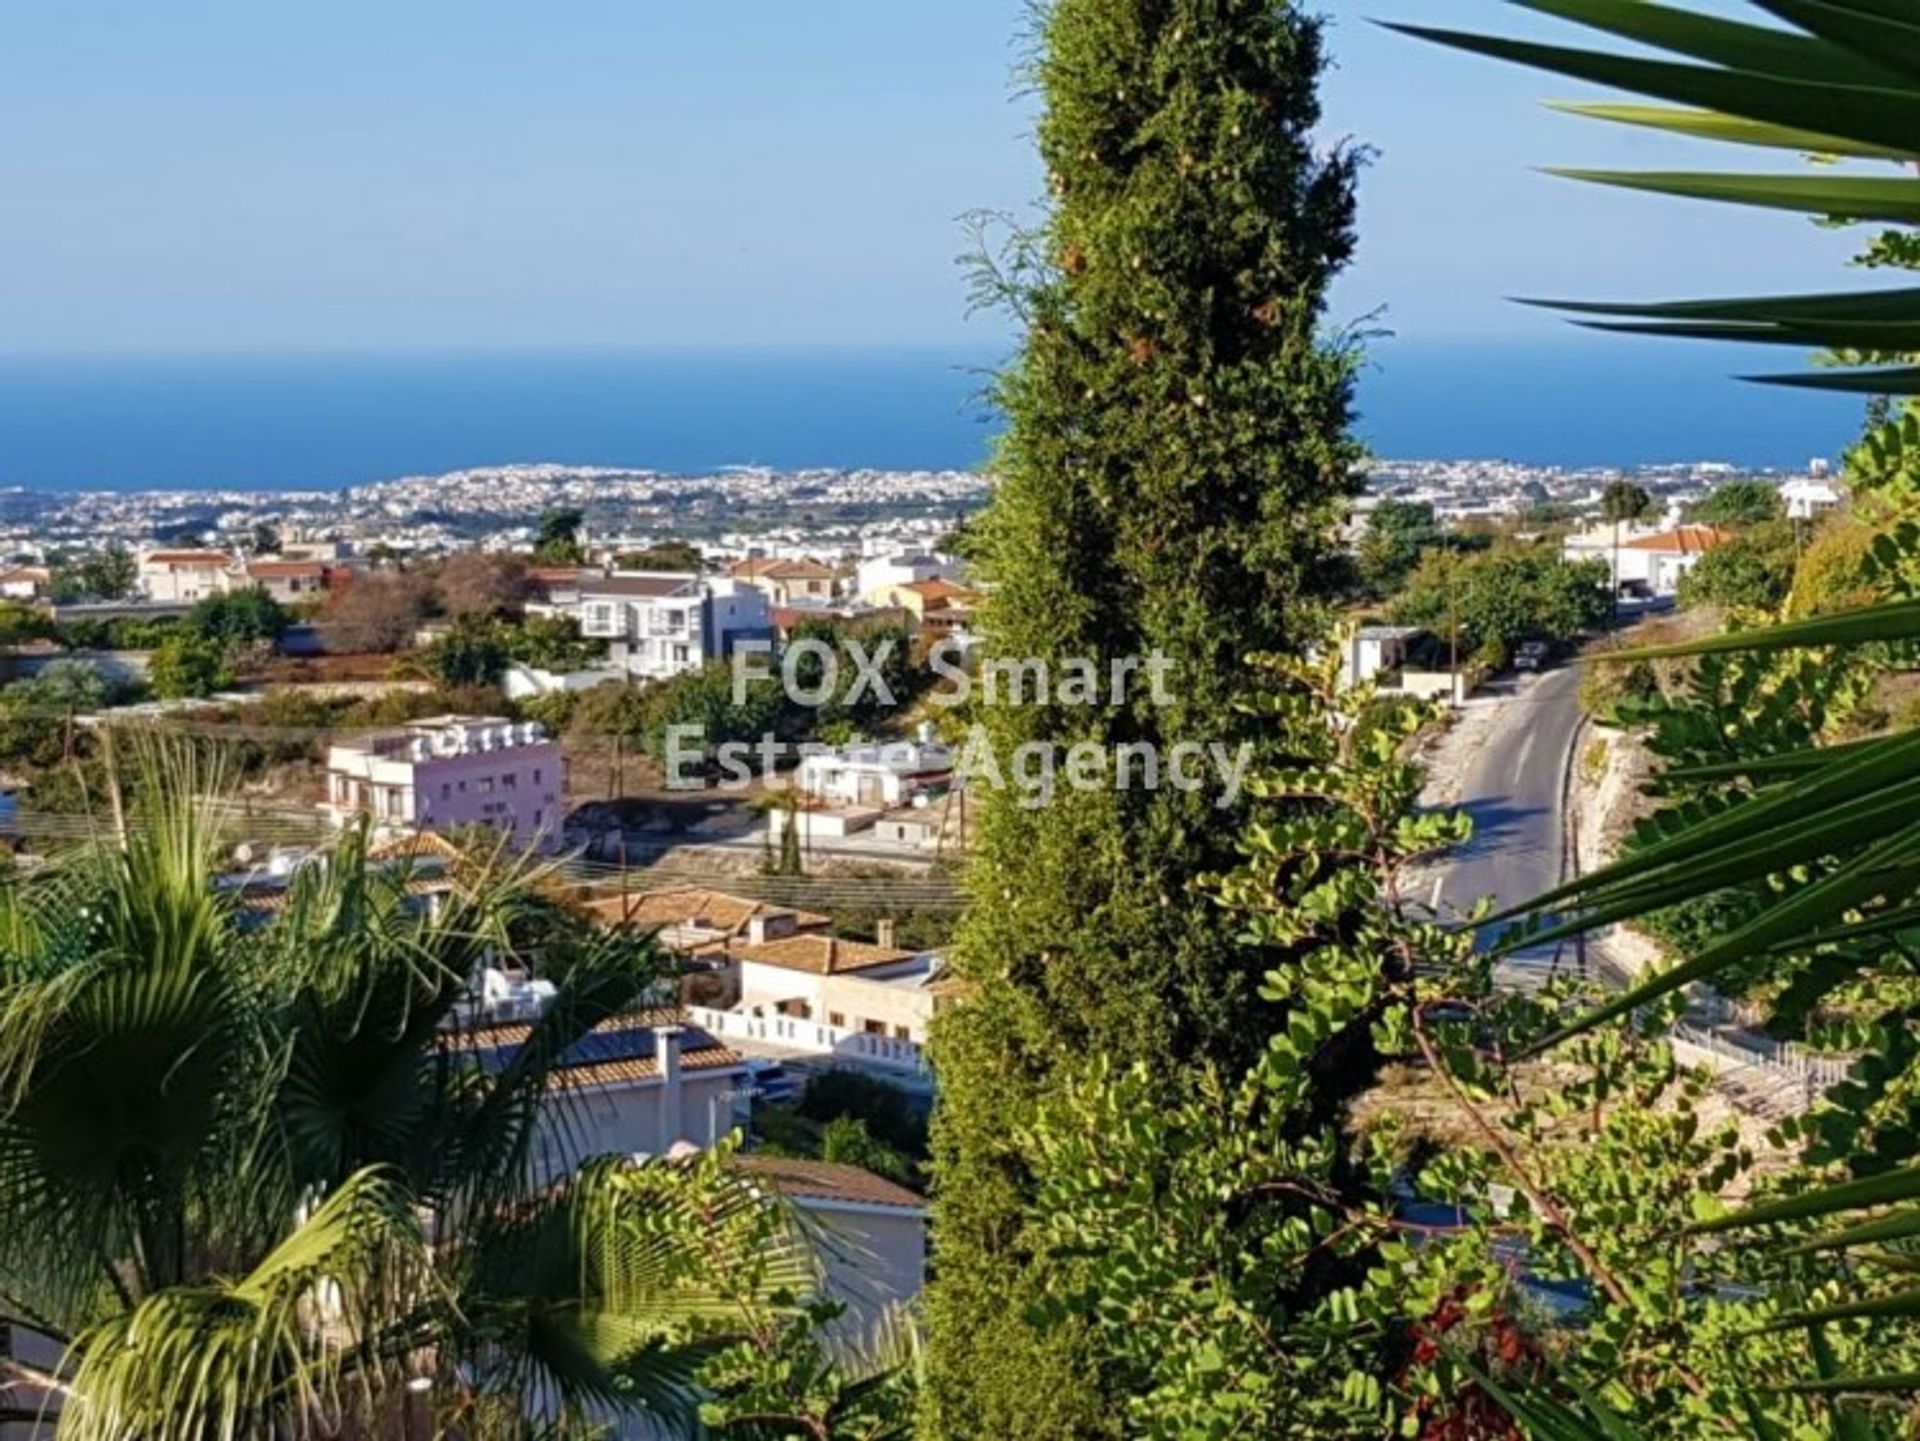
x=937 y=589
x=197 y=558
x=695 y=907
x=414 y=847
x=828 y=1181
x=822 y=955
x=515 y=1033
x=634 y=1072
x=699 y=1051
x=766 y=567
x=285 y=569
x=1682 y=540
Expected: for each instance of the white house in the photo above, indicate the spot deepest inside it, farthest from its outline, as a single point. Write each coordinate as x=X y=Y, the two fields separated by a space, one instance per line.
x=658 y=625
x=285 y=580
x=639 y=1084
x=1645 y=558
x=860 y=1005
x=25 y=582
x=786 y=582
x=878 y=579
x=885 y=774
x=1375 y=651
x=1809 y=498
x=872 y=1234
x=185 y=576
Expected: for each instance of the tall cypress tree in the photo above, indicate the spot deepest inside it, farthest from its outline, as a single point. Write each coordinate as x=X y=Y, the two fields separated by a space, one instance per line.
x=1176 y=462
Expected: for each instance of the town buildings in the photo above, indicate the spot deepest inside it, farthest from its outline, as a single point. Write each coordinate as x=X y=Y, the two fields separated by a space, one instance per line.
x=637 y=1085
x=777 y=981
x=786 y=582
x=452 y=772
x=660 y=625
x=881 y=774
x=880 y=578
x=1644 y=559
x=184 y=577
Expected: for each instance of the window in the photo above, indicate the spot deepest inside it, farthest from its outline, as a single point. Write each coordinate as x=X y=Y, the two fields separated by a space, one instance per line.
x=835 y=1018
x=484 y=785
x=903 y=1033
x=446 y=790
x=874 y=1028
x=536 y=775
x=510 y=781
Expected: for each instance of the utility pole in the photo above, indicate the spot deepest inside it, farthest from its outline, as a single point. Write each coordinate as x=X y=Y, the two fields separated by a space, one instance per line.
x=1453 y=631
x=1614 y=575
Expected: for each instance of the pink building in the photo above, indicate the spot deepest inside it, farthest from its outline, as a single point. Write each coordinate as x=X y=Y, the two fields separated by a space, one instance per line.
x=451 y=772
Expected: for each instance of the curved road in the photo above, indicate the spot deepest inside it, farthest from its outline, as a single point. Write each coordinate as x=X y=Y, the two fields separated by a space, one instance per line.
x=1515 y=791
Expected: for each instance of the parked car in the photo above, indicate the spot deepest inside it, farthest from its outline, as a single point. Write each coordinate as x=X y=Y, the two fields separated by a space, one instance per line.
x=1533 y=655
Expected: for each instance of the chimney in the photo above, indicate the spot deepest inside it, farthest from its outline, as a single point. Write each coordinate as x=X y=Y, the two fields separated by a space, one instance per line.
x=764 y=926
x=883 y=933
x=666 y=1050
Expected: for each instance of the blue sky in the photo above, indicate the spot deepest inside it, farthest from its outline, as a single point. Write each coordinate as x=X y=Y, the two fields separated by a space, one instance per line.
x=222 y=176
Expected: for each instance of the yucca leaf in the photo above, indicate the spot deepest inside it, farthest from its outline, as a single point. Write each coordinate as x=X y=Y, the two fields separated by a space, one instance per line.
x=1897 y=1227
x=1846 y=889
x=1849 y=1422
x=1893 y=621
x=1895 y=380
x=1894 y=1382
x=1902 y=1305
x=1734 y=44
x=1887 y=1189
x=1877 y=114
x=1728 y=129
x=1742 y=859
x=1894 y=305
x=1798 y=762
x=1892 y=41
x=1869 y=772
x=1899 y=337
x=1848 y=197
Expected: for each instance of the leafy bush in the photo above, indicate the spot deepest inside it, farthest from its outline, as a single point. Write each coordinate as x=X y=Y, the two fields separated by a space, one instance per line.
x=1506 y=595
x=1753 y=571
x=237 y=618
x=186 y=667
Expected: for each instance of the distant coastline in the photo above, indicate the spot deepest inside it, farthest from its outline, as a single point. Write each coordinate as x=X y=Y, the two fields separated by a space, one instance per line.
x=331 y=422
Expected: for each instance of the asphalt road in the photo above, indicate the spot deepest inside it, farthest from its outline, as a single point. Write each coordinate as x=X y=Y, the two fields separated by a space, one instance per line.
x=1514 y=792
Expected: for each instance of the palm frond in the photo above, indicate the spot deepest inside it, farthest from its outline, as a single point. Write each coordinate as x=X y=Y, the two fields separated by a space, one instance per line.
x=291 y=1348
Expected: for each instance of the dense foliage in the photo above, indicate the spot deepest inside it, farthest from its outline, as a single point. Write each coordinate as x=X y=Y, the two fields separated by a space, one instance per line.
x=1752 y=571
x=1173 y=473
x=1500 y=597
x=255 y=1186
x=1740 y=503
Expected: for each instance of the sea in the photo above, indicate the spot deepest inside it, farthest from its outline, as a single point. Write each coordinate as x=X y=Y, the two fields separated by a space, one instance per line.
x=266 y=422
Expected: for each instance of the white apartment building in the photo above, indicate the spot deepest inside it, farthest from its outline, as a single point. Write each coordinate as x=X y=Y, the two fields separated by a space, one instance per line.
x=181 y=577
x=452 y=772
x=878 y=579
x=659 y=625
